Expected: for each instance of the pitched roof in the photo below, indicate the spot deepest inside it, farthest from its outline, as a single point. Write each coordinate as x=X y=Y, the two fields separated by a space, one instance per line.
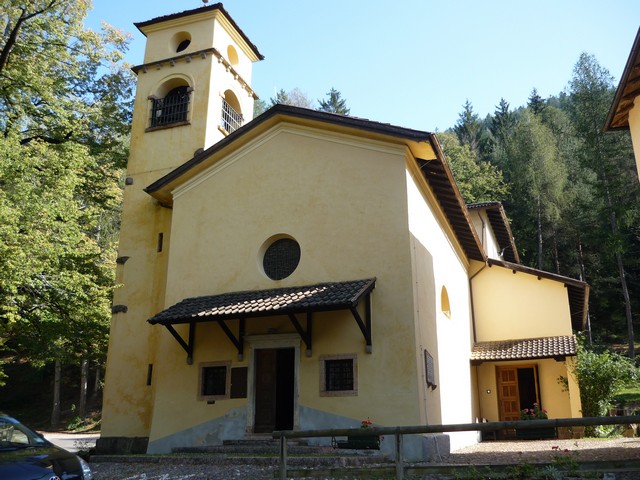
x=195 y=11
x=577 y=290
x=261 y=303
x=628 y=90
x=524 y=349
x=435 y=170
x=501 y=228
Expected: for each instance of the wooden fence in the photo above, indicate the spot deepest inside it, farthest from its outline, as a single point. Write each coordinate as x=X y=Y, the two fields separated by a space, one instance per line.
x=399 y=432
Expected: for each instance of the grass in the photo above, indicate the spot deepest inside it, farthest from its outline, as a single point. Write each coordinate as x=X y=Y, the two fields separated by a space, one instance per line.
x=628 y=395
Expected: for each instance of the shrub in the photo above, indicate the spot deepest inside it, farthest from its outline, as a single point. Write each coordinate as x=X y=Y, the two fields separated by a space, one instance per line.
x=600 y=375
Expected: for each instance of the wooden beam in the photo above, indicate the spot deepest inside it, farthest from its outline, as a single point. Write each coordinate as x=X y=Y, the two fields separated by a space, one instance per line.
x=304 y=334
x=237 y=342
x=187 y=347
x=365 y=326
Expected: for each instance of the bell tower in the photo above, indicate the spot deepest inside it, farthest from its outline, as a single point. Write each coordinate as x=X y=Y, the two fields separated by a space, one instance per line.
x=194 y=86
x=193 y=89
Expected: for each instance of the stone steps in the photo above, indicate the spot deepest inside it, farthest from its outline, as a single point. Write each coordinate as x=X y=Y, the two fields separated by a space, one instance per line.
x=258 y=452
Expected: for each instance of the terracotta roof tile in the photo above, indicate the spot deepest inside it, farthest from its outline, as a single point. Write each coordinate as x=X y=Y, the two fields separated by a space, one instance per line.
x=527 y=348
x=258 y=303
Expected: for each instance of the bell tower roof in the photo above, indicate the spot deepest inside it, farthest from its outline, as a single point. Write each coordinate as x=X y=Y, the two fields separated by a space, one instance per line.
x=210 y=11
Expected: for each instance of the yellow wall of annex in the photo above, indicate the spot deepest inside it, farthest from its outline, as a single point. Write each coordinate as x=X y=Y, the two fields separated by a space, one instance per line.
x=510 y=305
x=344 y=200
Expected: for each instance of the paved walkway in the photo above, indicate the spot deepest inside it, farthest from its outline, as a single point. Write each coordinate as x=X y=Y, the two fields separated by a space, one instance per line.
x=72 y=441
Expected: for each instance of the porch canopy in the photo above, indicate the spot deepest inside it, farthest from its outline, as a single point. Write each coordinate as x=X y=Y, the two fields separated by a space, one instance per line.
x=525 y=348
x=286 y=301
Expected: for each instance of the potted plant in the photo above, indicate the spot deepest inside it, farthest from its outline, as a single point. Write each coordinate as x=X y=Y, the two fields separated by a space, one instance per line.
x=362 y=442
x=536 y=433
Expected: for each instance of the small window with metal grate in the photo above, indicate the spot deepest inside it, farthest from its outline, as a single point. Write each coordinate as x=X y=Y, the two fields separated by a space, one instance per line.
x=338 y=375
x=214 y=381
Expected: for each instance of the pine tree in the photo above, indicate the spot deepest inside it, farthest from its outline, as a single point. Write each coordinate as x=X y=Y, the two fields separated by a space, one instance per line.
x=334 y=104
x=469 y=128
x=536 y=104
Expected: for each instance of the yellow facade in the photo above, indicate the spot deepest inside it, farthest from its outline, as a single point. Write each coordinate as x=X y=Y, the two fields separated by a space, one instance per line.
x=361 y=201
x=128 y=401
x=522 y=314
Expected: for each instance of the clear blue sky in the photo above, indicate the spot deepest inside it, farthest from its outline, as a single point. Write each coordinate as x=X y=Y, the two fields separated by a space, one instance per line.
x=413 y=63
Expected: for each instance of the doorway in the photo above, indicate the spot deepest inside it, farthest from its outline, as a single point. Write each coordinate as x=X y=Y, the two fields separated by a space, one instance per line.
x=274 y=389
x=517 y=389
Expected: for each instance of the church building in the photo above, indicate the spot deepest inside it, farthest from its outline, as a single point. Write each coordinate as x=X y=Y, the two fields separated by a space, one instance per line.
x=304 y=270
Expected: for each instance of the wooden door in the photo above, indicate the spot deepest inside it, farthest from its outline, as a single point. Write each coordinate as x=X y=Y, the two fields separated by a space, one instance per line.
x=265 y=390
x=508 y=395
x=274 y=389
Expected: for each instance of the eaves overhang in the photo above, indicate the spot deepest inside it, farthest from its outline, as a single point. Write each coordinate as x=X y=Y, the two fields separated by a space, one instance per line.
x=439 y=176
x=577 y=290
x=501 y=228
x=417 y=141
x=628 y=90
x=558 y=348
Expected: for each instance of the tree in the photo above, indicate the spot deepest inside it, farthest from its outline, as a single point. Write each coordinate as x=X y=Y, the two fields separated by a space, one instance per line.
x=502 y=123
x=334 y=104
x=536 y=103
x=295 y=97
x=610 y=159
x=538 y=178
x=478 y=181
x=65 y=99
x=259 y=107
x=469 y=128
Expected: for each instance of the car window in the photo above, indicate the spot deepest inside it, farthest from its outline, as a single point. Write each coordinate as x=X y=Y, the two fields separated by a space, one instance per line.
x=15 y=435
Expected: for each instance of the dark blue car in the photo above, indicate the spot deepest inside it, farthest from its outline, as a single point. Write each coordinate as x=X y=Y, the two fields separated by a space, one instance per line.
x=26 y=455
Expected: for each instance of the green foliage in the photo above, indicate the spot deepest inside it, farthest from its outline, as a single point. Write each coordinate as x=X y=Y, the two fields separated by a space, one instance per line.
x=478 y=181
x=65 y=100
x=334 y=104
x=469 y=129
x=600 y=376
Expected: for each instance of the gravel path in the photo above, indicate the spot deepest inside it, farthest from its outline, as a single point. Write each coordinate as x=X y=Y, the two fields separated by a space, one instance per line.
x=541 y=451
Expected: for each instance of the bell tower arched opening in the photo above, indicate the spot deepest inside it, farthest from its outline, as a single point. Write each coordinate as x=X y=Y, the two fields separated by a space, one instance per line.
x=170 y=104
x=232 y=118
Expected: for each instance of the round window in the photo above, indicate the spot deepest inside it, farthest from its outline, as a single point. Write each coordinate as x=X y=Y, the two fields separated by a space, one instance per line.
x=281 y=258
x=180 y=41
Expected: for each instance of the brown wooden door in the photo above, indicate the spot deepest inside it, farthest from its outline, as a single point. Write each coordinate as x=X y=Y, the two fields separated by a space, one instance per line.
x=274 y=389
x=508 y=395
x=265 y=408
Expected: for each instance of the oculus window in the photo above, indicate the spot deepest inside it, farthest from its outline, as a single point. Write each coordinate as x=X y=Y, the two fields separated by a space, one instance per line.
x=281 y=258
